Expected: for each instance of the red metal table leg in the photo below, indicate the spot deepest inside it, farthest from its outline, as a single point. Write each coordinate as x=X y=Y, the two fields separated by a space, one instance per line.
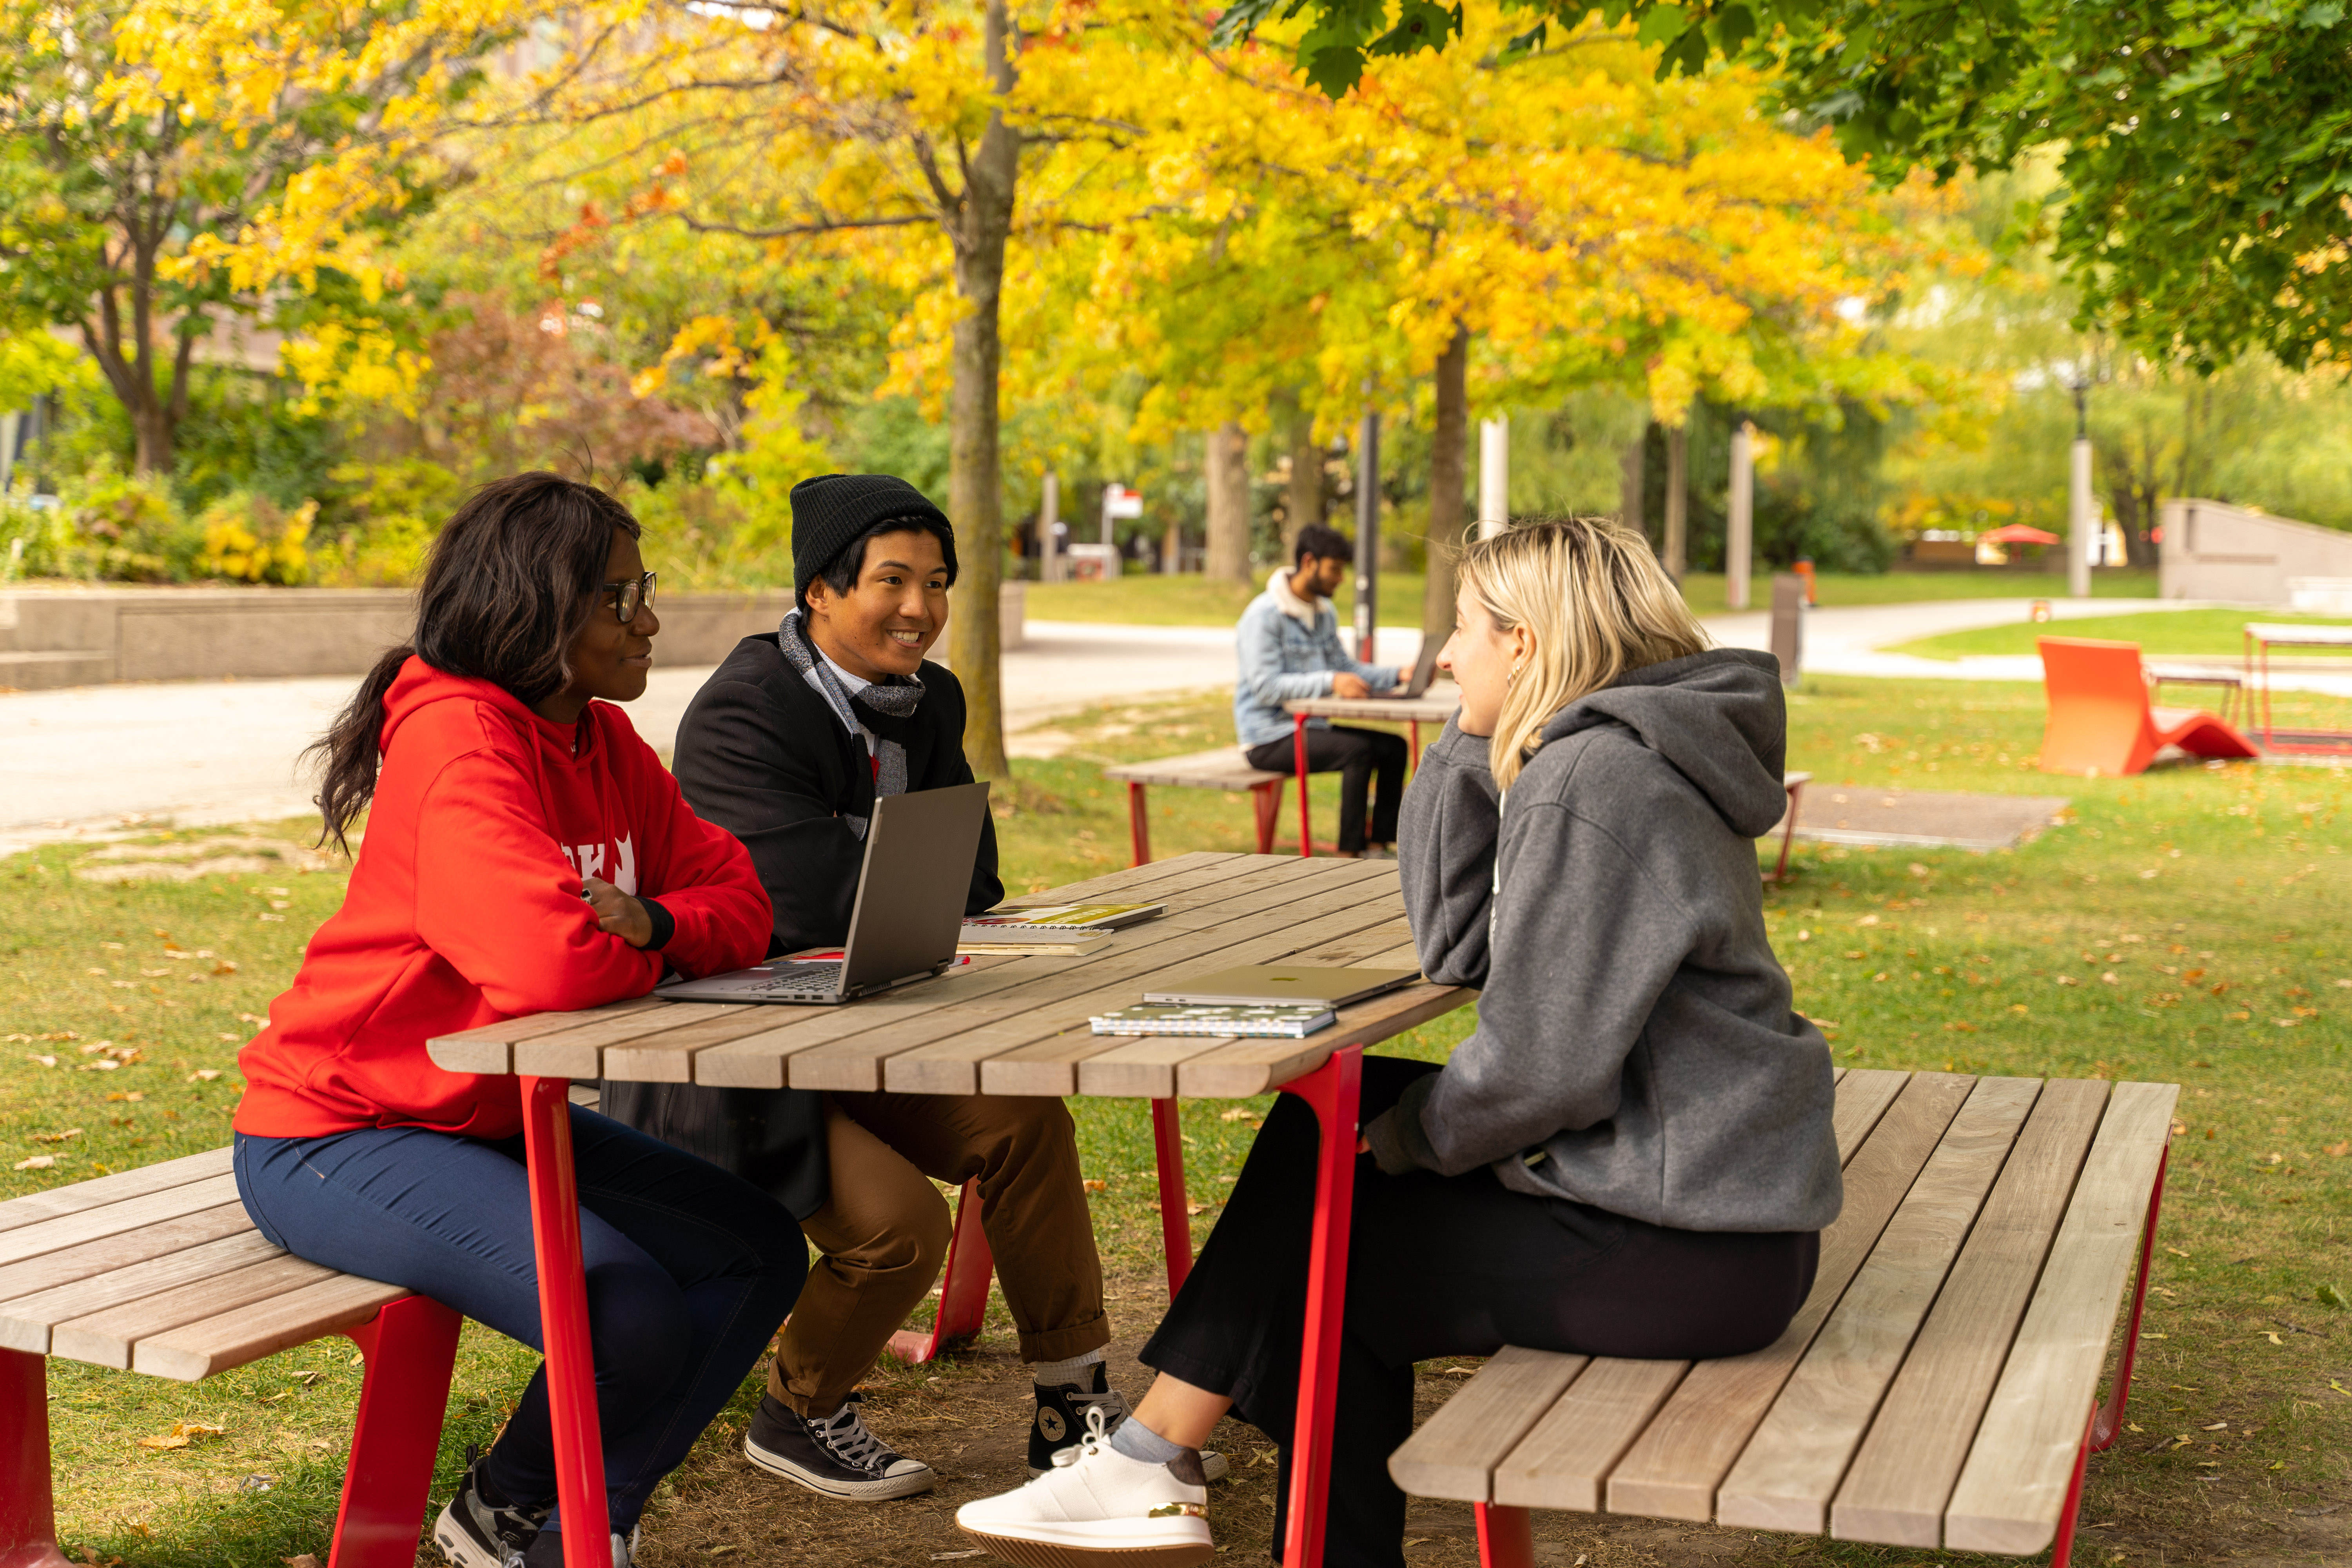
x=1506 y=1536
x=1298 y=754
x=563 y=1324
x=411 y=1347
x=1788 y=836
x=1413 y=748
x=1175 y=1216
x=1139 y=822
x=1333 y=1091
x=28 y=1524
x=964 y=1287
x=1268 y=799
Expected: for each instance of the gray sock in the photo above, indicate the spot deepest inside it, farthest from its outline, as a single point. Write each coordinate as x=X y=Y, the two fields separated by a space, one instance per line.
x=1077 y=1372
x=1144 y=1446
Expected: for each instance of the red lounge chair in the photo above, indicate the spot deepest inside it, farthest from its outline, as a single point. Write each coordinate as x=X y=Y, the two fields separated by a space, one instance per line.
x=2101 y=722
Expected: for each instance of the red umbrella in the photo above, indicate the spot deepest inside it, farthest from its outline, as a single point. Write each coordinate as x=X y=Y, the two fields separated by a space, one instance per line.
x=2017 y=533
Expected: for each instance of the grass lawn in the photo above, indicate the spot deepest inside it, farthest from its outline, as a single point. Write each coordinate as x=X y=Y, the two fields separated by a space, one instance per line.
x=2160 y=634
x=2187 y=926
x=1191 y=600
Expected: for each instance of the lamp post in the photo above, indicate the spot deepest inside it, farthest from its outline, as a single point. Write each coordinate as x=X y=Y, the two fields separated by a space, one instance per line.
x=1739 y=532
x=1368 y=534
x=1493 y=477
x=2080 y=521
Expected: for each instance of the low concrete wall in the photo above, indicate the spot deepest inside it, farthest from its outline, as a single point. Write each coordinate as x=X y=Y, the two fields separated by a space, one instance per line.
x=69 y=635
x=2213 y=550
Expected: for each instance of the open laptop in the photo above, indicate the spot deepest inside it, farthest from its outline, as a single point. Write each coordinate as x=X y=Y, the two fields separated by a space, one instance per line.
x=919 y=849
x=1425 y=670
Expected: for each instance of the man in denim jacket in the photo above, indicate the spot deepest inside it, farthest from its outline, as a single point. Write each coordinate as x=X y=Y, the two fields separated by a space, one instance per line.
x=1290 y=649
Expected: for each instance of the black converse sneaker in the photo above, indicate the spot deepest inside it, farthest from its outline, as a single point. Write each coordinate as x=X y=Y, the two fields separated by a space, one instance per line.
x=1061 y=1421
x=474 y=1532
x=836 y=1455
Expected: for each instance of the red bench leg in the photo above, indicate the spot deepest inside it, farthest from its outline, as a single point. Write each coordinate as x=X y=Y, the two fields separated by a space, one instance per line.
x=1505 y=1538
x=1334 y=1090
x=563 y=1323
x=2107 y=1420
x=29 y=1522
x=1175 y=1216
x=1139 y=822
x=411 y=1348
x=964 y=1287
x=1267 y=797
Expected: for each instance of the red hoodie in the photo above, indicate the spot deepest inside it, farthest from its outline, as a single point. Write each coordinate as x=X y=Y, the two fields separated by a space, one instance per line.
x=465 y=908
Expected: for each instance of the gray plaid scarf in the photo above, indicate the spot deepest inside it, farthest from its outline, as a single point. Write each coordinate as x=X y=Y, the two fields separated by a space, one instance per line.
x=882 y=704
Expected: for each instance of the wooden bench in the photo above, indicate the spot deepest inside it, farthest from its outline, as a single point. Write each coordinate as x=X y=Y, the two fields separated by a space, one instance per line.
x=1935 y=1389
x=158 y=1270
x=1225 y=768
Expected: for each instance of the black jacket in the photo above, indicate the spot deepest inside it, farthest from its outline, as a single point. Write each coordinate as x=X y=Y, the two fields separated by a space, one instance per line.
x=763 y=755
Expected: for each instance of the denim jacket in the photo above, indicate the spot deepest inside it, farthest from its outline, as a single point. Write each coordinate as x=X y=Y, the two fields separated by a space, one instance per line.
x=1283 y=662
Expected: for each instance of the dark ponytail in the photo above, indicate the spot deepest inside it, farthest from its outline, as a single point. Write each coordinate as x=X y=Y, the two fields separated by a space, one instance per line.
x=510 y=580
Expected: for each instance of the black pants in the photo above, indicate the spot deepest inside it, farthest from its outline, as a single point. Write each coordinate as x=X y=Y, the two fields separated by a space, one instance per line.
x=1442 y=1265
x=1355 y=755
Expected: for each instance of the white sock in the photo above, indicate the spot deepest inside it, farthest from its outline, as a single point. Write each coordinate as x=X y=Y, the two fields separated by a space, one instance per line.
x=1071 y=1374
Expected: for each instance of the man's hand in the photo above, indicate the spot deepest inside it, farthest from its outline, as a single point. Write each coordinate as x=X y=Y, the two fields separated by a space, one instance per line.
x=1346 y=685
x=617 y=912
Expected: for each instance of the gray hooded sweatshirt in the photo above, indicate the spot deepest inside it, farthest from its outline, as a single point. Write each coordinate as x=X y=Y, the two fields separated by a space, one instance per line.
x=1635 y=1049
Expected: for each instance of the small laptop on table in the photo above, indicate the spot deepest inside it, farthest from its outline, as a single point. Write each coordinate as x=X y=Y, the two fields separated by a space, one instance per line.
x=920 y=850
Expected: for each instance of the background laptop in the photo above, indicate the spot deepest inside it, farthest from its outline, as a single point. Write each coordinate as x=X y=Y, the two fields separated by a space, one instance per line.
x=1424 y=670
x=919 y=849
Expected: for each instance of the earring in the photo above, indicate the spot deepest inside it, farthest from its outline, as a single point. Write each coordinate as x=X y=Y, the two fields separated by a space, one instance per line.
x=1512 y=679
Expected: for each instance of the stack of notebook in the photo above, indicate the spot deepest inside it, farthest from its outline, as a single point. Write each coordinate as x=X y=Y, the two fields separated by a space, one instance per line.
x=1063 y=930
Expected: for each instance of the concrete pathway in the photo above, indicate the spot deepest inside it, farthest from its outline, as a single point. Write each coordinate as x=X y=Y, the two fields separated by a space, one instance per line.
x=96 y=761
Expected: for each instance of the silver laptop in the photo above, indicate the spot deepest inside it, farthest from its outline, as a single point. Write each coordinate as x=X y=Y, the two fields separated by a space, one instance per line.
x=920 y=850
x=1425 y=670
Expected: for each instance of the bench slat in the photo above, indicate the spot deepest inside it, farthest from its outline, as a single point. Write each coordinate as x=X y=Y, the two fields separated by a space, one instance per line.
x=35 y=1207
x=1673 y=1469
x=1457 y=1448
x=196 y=1351
x=1562 y=1462
x=1896 y=1490
x=26 y=1323
x=67 y=1265
x=2018 y=1469
x=107 y=1337
x=1863 y=1096
x=1791 y=1469
x=69 y=1230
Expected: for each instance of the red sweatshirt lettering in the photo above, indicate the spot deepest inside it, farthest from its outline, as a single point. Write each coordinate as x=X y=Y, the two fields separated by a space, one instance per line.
x=465 y=908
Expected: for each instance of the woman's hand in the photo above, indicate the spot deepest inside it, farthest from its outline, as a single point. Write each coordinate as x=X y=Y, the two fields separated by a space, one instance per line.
x=617 y=912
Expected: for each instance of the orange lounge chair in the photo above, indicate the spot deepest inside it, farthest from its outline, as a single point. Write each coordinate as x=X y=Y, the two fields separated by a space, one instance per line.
x=2102 y=724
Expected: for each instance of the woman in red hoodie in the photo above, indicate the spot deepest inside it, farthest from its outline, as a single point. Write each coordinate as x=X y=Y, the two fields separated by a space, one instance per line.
x=526 y=852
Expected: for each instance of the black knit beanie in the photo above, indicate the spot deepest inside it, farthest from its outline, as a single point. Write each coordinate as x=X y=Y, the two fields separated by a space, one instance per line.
x=832 y=512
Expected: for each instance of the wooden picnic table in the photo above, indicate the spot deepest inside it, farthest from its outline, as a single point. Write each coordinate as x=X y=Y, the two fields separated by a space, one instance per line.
x=2260 y=637
x=1435 y=707
x=1002 y=1026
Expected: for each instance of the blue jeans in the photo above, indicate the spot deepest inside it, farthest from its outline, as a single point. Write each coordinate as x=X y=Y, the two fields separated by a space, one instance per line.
x=689 y=1271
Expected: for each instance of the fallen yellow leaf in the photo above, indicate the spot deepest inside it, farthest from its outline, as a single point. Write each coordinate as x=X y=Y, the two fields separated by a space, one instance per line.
x=37 y=1162
x=182 y=1434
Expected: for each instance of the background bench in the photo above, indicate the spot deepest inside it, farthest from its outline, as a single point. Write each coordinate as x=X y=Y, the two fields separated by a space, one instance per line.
x=158 y=1270
x=1935 y=1390
x=1225 y=768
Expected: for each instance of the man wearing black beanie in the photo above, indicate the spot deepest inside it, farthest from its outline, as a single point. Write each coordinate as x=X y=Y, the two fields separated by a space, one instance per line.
x=788 y=746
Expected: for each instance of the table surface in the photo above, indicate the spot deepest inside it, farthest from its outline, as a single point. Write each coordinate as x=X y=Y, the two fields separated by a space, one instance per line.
x=1437 y=705
x=1018 y=1025
x=2315 y=637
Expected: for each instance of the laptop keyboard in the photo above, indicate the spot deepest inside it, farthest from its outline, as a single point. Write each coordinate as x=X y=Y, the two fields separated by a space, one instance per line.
x=802 y=980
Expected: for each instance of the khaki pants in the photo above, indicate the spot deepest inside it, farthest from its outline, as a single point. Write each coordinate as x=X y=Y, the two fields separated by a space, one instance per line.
x=884 y=1232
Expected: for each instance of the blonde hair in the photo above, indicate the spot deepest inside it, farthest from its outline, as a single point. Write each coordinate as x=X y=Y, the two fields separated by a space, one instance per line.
x=1597 y=604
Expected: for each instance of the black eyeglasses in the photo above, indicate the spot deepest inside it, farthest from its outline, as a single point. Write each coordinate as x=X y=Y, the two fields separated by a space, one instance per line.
x=628 y=597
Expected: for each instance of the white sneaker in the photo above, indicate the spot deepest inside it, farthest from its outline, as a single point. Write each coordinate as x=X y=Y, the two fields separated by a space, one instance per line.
x=1096 y=1502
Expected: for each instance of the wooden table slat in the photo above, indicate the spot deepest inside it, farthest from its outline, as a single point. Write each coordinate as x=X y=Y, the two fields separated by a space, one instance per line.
x=1435 y=707
x=1565 y=1459
x=1134 y=884
x=107 y=1337
x=1672 y=1471
x=131 y=1214
x=68 y=1264
x=2018 y=1471
x=1457 y=1448
x=579 y=1051
x=1894 y=1493
x=1791 y=1469
x=57 y=1202
x=1143 y=1067
x=197 y=1350
x=26 y=1324
x=1256 y=1066
x=669 y=1056
x=489 y=1047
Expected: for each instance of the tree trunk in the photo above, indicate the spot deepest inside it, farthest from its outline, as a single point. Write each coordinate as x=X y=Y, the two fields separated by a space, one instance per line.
x=1171 y=544
x=975 y=477
x=1227 y=470
x=1677 y=556
x=1630 y=480
x=1304 y=501
x=1449 y=467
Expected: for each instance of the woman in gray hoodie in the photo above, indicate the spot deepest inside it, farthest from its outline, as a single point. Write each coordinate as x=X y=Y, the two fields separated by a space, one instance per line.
x=1633 y=1154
